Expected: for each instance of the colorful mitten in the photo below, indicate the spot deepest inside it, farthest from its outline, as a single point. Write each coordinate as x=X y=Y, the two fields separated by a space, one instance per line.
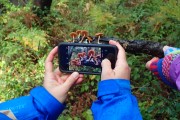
x=161 y=67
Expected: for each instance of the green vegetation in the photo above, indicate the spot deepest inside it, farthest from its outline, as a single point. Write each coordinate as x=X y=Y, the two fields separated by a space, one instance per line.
x=26 y=39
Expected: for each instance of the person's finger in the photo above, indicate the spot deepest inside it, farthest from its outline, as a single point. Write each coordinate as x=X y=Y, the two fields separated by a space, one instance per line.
x=106 y=66
x=71 y=80
x=121 y=57
x=49 y=60
x=79 y=80
x=64 y=77
x=106 y=69
x=151 y=61
x=81 y=75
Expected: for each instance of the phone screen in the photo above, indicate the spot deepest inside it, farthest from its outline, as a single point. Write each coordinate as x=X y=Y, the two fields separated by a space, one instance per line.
x=85 y=59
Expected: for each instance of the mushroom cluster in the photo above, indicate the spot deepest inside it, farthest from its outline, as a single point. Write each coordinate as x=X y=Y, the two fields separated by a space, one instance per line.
x=87 y=59
x=83 y=35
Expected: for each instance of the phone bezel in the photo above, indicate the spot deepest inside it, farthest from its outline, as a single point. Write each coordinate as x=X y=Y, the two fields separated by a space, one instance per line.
x=83 y=45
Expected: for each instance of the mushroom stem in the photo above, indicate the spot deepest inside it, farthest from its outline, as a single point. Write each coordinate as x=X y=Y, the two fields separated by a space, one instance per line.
x=73 y=39
x=90 y=57
x=98 y=39
x=95 y=59
x=82 y=39
x=79 y=35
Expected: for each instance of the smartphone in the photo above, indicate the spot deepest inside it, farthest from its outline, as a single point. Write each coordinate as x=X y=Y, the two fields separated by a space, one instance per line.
x=85 y=58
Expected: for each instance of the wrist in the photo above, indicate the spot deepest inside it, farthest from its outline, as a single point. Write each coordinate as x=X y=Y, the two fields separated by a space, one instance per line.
x=114 y=87
x=48 y=102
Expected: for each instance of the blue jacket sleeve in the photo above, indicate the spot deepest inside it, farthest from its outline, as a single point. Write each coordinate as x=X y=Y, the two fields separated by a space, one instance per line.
x=115 y=101
x=39 y=105
x=4 y=117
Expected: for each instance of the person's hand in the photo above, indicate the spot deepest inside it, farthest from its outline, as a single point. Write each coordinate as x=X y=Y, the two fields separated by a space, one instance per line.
x=57 y=83
x=121 y=70
x=164 y=69
x=167 y=50
x=155 y=59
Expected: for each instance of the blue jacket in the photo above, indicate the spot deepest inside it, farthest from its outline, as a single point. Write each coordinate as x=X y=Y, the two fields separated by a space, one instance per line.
x=115 y=102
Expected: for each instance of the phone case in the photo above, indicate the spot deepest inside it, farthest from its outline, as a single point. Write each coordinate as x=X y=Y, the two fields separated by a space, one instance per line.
x=82 y=45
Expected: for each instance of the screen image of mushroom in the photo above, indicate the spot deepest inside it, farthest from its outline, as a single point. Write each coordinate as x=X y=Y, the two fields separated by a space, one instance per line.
x=92 y=60
x=91 y=53
x=75 y=63
x=78 y=62
x=80 y=56
x=97 y=60
x=84 y=55
x=72 y=65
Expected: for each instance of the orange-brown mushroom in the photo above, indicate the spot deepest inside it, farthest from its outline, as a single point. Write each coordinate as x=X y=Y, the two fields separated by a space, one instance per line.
x=91 y=53
x=99 y=35
x=78 y=33
x=73 y=62
x=89 y=39
x=84 y=33
x=80 y=55
x=73 y=35
x=78 y=61
x=83 y=53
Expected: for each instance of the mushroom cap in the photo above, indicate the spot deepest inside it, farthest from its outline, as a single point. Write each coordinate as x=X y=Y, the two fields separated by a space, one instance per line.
x=99 y=34
x=73 y=61
x=91 y=52
x=78 y=32
x=80 y=55
x=84 y=33
x=83 y=53
x=73 y=34
x=89 y=38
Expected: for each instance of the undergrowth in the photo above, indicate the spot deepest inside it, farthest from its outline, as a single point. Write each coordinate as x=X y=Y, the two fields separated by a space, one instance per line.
x=26 y=39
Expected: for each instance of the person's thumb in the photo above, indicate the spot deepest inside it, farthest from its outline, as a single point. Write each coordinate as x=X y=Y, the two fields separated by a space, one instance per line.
x=71 y=80
x=148 y=64
x=106 y=69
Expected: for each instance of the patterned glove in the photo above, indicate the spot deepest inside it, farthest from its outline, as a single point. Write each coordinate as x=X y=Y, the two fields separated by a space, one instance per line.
x=161 y=67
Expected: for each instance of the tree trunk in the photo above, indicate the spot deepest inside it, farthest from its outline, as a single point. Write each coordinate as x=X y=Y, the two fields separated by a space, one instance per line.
x=41 y=8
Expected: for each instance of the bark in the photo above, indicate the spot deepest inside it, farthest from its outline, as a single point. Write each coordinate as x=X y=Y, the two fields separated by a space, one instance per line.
x=134 y=46
x=139 y=46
